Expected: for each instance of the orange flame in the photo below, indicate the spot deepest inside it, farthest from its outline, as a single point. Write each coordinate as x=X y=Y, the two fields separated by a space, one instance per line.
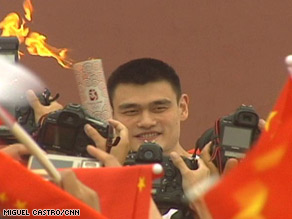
x=36 y=45
x=27 y=6
x=12 y=25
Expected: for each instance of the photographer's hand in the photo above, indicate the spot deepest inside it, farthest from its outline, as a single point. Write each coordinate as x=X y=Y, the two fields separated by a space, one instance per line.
x=16 y=151
x=107 y=159
x=262 y=124
x=190 y=177
x=75 y=187
x=121 y=150
x=39 y=109
x=206 y=157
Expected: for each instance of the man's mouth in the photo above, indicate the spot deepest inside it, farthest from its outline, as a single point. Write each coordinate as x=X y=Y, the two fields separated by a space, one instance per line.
x=148 y=136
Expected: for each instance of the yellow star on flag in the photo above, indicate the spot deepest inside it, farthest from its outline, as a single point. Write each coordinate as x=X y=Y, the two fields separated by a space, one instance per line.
x=3 y=197
x=252 y=199
x=141 y=183
x=269 y=119
x=270 y=159
x=20 y=204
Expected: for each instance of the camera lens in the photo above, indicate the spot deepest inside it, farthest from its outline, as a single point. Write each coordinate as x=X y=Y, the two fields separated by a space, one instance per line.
x=148 y=155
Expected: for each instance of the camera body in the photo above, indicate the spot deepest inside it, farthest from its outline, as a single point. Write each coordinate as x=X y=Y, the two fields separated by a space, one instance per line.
x=61 y=161
x=16 y=104
x=167 y=192
x=62 y=131
x=23 y=114
x=232 y=136
x=9 y=48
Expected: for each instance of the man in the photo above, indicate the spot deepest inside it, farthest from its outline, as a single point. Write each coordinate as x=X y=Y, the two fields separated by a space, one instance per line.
x=146 y=97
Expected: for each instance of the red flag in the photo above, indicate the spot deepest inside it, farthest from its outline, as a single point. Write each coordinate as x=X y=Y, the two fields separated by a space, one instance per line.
x=21 y=189
x=261 y=185
x=124 y=191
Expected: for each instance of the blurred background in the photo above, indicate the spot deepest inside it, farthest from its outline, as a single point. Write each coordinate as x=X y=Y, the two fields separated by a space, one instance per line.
x=227 y=53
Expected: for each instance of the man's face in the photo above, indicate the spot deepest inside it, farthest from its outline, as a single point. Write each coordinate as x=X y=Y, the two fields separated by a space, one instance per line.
x=151 y=113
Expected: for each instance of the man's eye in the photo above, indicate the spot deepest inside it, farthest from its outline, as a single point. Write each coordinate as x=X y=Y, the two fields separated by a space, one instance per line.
x=160 y=109
x=130 y=112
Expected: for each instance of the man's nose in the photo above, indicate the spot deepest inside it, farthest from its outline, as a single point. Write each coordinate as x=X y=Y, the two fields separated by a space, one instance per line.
x=146 y=120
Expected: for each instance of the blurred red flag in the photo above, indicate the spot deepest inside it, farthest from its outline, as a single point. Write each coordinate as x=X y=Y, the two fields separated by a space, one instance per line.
x=260 y=187
x=21 y=189
x=124 y=191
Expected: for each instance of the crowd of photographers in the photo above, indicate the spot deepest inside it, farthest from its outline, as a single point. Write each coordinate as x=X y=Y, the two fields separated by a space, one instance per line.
x=148 y=108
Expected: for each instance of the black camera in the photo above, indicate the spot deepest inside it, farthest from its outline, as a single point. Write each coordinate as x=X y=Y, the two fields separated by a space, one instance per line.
x=24 y=115
x=16 y=104
x=9 y=48
x=232 y=136
x=167 y=192
x=62 y=131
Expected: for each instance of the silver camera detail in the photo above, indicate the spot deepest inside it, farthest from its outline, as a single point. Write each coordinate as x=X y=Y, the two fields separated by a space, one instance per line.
x=62 y=161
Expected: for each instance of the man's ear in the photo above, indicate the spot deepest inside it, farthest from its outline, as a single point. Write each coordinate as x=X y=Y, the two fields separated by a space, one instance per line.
x=184 y=107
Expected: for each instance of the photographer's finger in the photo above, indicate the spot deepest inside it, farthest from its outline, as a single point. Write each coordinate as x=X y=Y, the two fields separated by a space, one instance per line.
x=33 y=100
x=20 y=149
x=205 y=153
x=54 y=106
x=230 y=164
x=262 y=124
x=116 y=124
x=69 y=181
x=121 y=130
x=206 y=157
x=201 y=163
x=107 y=159
x=75 y=187
x=95 y=136
x=123 y=147
x=203 y=167
x=179 y=162
x=39 y=109
x=17 y=152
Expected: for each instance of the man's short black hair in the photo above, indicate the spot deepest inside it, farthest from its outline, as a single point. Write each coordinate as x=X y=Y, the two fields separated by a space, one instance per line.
x=143 y=71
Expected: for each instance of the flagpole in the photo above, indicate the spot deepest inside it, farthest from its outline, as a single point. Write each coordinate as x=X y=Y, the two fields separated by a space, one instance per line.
x=23 y=137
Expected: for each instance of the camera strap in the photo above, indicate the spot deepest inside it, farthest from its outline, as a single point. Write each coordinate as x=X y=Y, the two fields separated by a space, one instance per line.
x=217 y=149
x=47 y=98
x=110 y=142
